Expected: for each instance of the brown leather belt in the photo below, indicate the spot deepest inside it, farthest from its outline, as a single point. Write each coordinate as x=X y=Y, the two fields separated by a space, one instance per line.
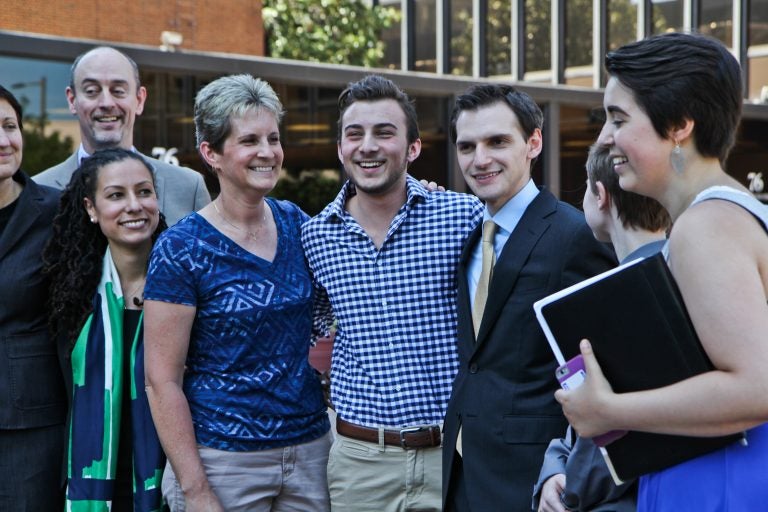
x=408 y=438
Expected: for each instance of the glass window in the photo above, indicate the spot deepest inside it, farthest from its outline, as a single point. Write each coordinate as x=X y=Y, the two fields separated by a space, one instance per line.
x=391 y=37
x=747 y=160
x=758 y=79
x=51 y=132
x=425 y=51
x=538 y=15
x=622 y=23
x=758 y=22
x=310 y=118
x=578 y=33
x=154 y=82
x=717 y=20
x=28 y=79
x=579 y=128
x=167 y=118
x=432 y=163
x=179 y=98
x=667 y=15
x=311 y=170
x=499 y=37
x=179 y=105
x=461 y=37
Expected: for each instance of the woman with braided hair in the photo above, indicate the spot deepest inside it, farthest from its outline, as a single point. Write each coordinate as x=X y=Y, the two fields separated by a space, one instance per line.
x=97 y=261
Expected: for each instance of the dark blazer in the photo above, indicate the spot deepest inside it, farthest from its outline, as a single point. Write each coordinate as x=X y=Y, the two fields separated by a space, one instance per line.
x=31 y=384
x=180 y=191
x=503 y=395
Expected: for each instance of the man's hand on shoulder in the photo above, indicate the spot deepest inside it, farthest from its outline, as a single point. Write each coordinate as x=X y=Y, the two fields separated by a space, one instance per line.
x=432 y=186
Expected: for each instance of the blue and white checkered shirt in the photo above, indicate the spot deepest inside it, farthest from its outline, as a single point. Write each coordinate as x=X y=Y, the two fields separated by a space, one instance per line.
x=394 y=356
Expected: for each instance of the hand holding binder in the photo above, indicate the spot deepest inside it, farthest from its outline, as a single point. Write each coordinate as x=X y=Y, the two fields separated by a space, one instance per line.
x=643 y=338
x=571 y=375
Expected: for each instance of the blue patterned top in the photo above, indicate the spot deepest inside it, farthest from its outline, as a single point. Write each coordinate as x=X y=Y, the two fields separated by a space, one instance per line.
x=394 y=356
x=248 y=379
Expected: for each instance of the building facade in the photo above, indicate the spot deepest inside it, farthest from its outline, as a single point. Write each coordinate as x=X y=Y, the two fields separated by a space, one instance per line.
x=552 y=49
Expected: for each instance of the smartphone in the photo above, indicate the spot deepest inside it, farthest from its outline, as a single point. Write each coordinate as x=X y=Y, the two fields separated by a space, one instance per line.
x=570 y=376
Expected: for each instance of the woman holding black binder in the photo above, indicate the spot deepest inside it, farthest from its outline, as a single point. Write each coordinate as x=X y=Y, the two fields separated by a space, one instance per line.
x=673 y=104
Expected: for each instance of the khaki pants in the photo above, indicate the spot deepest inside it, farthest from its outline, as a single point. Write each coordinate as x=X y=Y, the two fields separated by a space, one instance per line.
x=280 y=479
x=368 y=477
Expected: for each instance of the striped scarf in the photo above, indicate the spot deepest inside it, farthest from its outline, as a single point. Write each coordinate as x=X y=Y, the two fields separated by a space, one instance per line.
x=94 y=436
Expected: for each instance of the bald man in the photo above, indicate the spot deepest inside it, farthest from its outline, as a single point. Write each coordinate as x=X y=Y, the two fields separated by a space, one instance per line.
x=106 y=95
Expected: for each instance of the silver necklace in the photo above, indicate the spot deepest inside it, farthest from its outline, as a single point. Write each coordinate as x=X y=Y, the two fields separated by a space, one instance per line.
x=251 y=234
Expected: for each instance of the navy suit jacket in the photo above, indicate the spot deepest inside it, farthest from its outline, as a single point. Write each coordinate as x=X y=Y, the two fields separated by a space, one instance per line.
x=503 y=395
x=180 y=191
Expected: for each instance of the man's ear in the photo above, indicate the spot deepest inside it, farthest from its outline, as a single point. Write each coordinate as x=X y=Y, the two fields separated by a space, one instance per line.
x=603 y=198
x=141 y=98
x=414 y=150
x=535 y=144
x=71 y=100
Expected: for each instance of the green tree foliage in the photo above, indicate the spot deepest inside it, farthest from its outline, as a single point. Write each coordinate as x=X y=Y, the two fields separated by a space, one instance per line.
x=43 y=151
x=499 y=40
x=328 y=31
x=312 y=190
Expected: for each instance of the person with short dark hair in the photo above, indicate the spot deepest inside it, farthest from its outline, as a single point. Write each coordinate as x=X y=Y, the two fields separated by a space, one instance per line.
x=574 y=475
x=106 y=95
x=624 y=219
x=33 y=401
x=103 y=232
x=673 y=104
x=384 y=255
x=502 y=412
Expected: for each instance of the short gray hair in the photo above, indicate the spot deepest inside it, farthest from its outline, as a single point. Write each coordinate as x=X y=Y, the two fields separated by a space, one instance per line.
x=227 y=97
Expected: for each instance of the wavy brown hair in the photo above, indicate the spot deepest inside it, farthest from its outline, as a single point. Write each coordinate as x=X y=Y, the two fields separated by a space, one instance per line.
x=74 y=255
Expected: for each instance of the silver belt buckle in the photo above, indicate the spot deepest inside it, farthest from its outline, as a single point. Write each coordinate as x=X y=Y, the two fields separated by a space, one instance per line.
x=407 y=430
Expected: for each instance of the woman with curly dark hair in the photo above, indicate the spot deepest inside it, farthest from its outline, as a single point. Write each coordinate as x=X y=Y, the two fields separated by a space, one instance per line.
x=97 y=261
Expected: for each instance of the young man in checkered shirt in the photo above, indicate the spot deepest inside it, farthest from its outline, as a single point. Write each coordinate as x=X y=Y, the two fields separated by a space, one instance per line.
x=384 y=255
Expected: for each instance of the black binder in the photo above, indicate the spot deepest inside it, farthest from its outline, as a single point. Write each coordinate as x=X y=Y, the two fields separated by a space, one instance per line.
x=643 y=338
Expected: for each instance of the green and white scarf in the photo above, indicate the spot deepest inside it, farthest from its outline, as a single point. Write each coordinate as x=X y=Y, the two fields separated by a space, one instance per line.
x=94 y=429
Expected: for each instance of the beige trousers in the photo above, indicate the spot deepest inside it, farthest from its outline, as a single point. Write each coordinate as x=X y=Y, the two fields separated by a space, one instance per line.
x=368 y=477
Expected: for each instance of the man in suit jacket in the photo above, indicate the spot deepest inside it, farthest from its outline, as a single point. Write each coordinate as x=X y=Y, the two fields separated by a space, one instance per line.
x=502 y=412
x=106 y=96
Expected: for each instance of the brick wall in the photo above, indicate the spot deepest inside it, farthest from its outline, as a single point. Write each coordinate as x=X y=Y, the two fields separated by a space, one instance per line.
x=231 y=26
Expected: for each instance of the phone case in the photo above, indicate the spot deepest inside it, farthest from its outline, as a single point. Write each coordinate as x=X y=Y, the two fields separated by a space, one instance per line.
x=570 y=376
